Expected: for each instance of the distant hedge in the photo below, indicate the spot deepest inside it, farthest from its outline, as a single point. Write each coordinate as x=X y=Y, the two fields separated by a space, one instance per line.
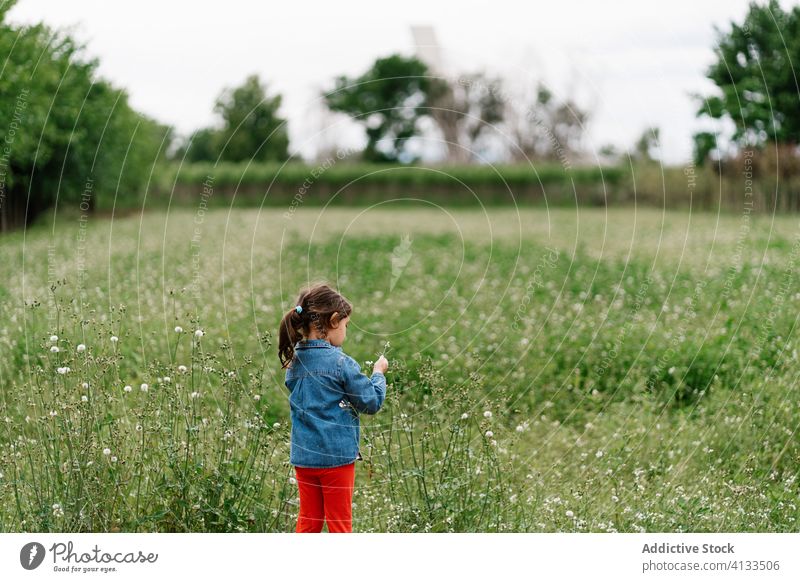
x=650 y=184
x=348 y=183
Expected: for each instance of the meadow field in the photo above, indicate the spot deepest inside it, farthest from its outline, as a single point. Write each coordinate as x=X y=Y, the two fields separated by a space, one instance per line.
x=604 y=370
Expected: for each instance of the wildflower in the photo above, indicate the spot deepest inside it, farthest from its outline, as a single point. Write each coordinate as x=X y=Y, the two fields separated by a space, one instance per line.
x=614 y=498
x=85 y=385
x=182 y=369
x=167 y=379
x=114 y=339
x=58 y=511
x=144 y=387
x=489 y=434
x=138 y=428
x=178 y=329
x=520 y=428
x=487 y=414
x=257 y=397
x=198 y=333
x=598 y=454
x=276 y=425
x=53 y=338
x=113 y=459
x=195 y=394
x=84 y=398
x=292 y=480
x=569 y=513
x=464 y=416
x=64 y=370
x=106 y=451
x=54 y=349
x=53 y=413
x=127 y=388
x=81 y=348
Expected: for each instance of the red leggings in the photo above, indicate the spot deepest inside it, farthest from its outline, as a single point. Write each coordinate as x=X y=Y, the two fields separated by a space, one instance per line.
x=326 y=495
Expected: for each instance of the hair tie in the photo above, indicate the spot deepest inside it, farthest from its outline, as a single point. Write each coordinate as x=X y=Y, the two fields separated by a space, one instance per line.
x=298 y=309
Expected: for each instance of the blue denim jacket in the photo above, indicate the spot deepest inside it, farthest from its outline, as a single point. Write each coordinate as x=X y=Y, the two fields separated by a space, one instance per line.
x=327 y=393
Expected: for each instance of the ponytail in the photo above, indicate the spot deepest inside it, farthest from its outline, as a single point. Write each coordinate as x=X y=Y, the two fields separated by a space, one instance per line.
x=288 y=335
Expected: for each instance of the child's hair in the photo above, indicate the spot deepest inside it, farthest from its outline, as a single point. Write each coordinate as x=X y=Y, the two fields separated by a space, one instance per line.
x=318 y=302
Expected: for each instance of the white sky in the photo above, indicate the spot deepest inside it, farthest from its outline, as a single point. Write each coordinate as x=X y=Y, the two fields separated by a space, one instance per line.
x=634 y=62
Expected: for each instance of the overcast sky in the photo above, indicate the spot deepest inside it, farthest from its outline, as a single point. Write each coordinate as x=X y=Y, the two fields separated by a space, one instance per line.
x=635 y=63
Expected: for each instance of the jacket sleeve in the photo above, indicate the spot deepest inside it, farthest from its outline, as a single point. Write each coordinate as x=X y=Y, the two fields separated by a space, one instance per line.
x=365 y=393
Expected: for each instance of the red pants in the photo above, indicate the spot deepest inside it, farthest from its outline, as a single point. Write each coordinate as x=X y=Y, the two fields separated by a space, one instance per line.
x=326 y=495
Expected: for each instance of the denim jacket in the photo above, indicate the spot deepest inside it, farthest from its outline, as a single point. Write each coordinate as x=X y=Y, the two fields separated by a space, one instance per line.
x=327 y=394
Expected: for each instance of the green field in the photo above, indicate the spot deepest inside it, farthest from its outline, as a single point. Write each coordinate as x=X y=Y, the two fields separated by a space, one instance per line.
x=637 y=370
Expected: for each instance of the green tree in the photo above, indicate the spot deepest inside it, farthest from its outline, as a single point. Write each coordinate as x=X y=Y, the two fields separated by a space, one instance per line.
x=388 y=100
x=252 y=128
x=755 y=75
x=68 y=137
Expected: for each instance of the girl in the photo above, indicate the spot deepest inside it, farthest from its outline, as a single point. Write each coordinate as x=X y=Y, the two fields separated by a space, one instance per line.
x=327 y=393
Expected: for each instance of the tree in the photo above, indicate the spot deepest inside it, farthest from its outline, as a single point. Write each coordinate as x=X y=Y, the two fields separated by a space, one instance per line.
x=647 y=144
x=389 y=99
x=756 y=80
x=250 y=128
x=546 y=128
x=465 y=112
x=68 y=137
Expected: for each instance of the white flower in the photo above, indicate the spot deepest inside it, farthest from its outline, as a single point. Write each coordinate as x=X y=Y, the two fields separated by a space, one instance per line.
x=292 y=480
x=64 y=370
x=113 y=459
x=520 y=428
x=257 y=397
x=84 y=398
x=167 y=379
x=487 y=414
x=53 y=338
x=127 y=388
x=598 y=454
x=54 y=349
x=614 y=498
x=671 y=370
x=199 y=333
x=81 y=348
x=114 y=339
x=195 y=394
x=144 y=387
x=464 y=416
x=489 y=434
x=182 y=369
x=570 y=514
x=85 y=385
x=138 y=428
x=106 y=451
x=53 y=413
x=178 y=329
x=58 y=511
x=276 y=425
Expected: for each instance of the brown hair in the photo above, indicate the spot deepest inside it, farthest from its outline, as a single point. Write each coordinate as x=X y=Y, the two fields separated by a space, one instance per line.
x=318 y=302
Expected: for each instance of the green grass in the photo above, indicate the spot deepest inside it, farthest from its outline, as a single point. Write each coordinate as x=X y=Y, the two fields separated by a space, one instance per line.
x=639 y=368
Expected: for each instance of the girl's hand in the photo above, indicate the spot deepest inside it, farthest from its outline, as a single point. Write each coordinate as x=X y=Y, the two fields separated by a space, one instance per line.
x=381 y=365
